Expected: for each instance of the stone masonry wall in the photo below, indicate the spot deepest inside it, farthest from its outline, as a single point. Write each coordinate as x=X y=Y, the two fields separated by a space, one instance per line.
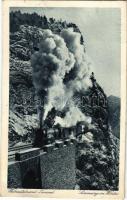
x=14 y=175
x=52 y=167
x=58 y=168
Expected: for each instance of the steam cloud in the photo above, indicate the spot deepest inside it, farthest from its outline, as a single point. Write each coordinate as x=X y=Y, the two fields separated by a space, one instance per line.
x=60 y=57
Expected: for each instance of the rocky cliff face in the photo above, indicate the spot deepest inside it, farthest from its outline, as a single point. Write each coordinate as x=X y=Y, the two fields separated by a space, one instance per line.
x=97 y=156
x=21 y=99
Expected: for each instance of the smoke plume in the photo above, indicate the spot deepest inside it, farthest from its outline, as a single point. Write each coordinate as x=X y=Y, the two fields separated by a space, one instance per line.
x=59 y=57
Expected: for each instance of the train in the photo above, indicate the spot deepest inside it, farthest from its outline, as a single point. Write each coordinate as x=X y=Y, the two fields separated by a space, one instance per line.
x=50 y=135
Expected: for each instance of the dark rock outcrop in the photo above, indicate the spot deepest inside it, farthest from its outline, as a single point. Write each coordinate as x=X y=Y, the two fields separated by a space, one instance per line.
x=114 y=114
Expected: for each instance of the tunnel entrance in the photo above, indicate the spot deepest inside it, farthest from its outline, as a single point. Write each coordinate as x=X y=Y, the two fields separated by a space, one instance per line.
x=31 y=181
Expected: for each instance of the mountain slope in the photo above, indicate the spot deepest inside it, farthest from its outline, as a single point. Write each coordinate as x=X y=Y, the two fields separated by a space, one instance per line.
x=114 y=114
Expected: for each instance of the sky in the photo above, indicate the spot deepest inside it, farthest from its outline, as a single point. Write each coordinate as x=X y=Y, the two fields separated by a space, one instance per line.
x=100 y=28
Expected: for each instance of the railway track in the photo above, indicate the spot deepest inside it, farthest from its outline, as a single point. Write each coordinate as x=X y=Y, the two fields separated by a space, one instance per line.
x=13 y=150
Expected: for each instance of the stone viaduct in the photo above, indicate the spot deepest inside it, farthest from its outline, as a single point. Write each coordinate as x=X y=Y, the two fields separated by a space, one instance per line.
x=49 y=167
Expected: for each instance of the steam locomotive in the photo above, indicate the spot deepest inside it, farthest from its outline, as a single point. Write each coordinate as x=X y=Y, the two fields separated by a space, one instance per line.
x=50 y=135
